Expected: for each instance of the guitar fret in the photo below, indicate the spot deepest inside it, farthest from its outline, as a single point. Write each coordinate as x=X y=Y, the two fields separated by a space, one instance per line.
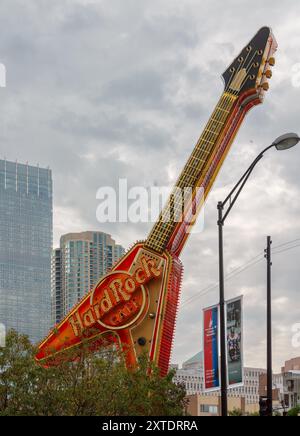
x=189 y=180
x=176 y=209
x=168 y=227
x=163 y=221
x=194 y=178
x=210 y=131
x=188 y=165
x=199 y=159
x=187 y=177
x=217 y=121
x=208 y=142
x=223 y=110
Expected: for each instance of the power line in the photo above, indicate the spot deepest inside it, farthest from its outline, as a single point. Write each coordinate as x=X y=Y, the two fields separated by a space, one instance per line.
x=252 y=262
x=286 y=249
x=286 y=243
x=229 y=276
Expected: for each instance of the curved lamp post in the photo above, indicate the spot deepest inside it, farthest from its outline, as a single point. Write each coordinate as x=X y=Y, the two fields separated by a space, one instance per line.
x=283 y=142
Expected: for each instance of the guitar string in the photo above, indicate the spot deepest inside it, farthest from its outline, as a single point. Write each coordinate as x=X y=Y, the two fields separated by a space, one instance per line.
x=187 y=176
x=221 y=117
x=160 y=234
x=162 y=231
x=246 y=78
x=211 y=124
x=227 y=106
x=236 y=93
x=223 y=105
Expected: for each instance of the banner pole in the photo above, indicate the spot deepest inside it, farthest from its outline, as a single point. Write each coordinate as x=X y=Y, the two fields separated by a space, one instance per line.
x=224 y=404
x=269 y=329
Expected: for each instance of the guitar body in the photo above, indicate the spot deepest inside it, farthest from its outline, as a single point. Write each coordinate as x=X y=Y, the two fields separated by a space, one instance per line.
x=134 y=307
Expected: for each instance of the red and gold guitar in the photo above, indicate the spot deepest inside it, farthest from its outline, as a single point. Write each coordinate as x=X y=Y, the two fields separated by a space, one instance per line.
x=135 y=305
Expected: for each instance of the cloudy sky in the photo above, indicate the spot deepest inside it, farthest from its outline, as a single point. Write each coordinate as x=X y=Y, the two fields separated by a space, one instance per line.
x=107 y=89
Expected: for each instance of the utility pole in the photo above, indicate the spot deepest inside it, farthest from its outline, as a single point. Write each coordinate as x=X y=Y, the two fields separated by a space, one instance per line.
x=268 y=256
x=224 y=401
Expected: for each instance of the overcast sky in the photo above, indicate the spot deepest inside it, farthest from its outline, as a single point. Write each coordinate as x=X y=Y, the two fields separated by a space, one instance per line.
x=107 y=89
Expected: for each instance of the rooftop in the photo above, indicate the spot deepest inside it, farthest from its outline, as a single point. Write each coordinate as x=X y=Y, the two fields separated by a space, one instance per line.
x=197 y=359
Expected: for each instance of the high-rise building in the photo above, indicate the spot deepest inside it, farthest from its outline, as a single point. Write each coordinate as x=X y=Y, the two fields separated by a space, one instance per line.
x=78 y=265
x=25 y=248
x=56 y=297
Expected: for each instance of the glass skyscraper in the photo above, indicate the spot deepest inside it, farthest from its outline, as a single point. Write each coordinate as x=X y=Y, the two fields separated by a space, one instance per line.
x=78 y=265
x=25 y=248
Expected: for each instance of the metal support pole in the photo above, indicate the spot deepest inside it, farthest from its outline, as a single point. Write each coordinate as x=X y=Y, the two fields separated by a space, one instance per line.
x=269 y=329
x=224 y=405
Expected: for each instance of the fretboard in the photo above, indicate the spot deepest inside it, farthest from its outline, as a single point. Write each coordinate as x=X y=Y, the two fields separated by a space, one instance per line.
x=192 y=172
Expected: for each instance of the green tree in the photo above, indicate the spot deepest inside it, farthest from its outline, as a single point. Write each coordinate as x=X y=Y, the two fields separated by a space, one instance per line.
x=236 y=412
x=93 y=385
x=294 y=412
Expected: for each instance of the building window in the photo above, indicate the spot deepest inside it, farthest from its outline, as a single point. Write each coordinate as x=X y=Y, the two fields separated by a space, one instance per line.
x=206 y=408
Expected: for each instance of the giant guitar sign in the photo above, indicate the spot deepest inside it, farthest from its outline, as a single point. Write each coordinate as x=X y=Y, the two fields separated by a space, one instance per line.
x=135 y=305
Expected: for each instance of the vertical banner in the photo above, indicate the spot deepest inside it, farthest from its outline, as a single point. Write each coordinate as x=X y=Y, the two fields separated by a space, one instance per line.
x=234 y=331
x=211 y=348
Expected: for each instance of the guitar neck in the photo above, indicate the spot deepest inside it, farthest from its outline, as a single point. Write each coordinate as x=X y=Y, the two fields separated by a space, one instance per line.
x=192 y=173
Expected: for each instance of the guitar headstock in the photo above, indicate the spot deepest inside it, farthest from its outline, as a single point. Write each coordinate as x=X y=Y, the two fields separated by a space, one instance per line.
x=252 y=68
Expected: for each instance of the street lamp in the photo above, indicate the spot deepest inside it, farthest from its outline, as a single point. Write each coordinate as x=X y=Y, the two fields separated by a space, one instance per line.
x=283 y=142
x=286 y=141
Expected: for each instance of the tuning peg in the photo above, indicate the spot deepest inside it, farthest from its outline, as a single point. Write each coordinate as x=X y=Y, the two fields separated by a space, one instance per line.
x=265 y=86
x=268 y=74
x=272 y=61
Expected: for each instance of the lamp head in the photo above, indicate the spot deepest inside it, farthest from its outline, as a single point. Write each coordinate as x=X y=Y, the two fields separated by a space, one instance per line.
x=284 y=142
